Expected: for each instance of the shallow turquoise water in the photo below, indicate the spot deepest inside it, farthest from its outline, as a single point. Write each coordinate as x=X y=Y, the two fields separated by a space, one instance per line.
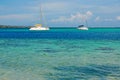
x=59 y=59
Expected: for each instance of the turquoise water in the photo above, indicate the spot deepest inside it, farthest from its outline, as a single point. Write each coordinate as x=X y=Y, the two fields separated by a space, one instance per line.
x=94 y=56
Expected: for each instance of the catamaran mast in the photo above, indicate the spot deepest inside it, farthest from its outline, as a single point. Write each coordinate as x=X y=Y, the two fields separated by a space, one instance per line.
x=42 y=16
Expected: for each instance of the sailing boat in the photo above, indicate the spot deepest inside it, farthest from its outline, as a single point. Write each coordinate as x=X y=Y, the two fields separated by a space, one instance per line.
x=83 y=27
x=39 y=26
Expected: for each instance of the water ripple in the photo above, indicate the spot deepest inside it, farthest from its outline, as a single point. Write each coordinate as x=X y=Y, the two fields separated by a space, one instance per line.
x=101 y=72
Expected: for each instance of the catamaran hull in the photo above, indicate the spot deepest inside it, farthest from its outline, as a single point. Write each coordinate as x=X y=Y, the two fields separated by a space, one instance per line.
x=83 y=28
x=40 y=28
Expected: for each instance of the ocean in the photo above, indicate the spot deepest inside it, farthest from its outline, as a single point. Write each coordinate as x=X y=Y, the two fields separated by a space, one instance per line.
x=60 y=54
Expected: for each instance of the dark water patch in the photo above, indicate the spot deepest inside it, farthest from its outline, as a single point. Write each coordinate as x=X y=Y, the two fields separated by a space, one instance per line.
x=85 y=73
x=47 y=50
x=2 y=61
x=83 y=70
x=15 y=65
x=75 y=46
x=45 y=41
x=112 y=69
x=65 y=76
x=105 y=49
x=3 y=73
x=107 y=52
x=69 y=46
x=117 y=54
x=50 y=50
x=13 y=45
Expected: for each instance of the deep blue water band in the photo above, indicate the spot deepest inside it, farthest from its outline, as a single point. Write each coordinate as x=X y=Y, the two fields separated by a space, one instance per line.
x=61 y=34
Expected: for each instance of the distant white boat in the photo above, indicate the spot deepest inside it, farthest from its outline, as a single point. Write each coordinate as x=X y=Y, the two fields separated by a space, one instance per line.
x=82 y=27
x=39 y=26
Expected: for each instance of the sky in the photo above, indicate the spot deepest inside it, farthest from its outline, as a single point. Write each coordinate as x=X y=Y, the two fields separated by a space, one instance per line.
x=61 y=13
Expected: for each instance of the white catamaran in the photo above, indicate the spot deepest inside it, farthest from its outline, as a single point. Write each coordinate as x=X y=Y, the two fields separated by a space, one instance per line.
x=83 y=27
x=40 y=26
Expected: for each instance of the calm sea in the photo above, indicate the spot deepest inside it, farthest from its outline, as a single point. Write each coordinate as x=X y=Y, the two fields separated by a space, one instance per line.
x=60 y=54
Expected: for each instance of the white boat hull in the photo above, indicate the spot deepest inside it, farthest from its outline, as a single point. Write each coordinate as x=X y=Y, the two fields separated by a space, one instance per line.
x=39 y=28
x=83 y=28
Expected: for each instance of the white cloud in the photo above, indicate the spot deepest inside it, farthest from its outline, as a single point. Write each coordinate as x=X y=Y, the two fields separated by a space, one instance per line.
x=89 y=13
x=76 y=17
x=97 y=18
x=118 y=17
x=108 y=19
